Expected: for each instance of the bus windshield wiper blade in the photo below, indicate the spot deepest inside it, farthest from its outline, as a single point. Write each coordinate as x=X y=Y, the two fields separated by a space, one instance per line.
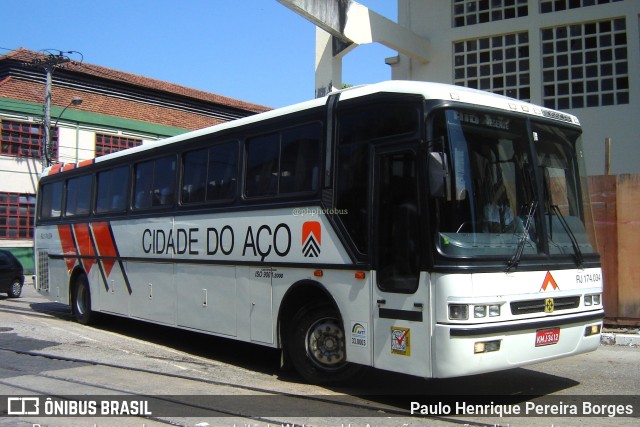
x=515 y=259
x=576 y=248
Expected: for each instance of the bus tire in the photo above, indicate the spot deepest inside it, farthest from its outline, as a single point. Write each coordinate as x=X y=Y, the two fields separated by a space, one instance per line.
x=82 y=300
x=316 y=346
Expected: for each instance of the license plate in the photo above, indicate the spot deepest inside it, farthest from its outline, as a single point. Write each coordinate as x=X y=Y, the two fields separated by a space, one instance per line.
x=547 y=337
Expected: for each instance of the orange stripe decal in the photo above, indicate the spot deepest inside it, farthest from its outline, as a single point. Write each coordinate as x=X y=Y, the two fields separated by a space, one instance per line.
x=68 y=247
x=55 y=168
x=83 y=237
x=105 y=245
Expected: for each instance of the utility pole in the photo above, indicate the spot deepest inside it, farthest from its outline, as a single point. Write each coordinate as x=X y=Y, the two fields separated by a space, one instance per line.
x=49 y=65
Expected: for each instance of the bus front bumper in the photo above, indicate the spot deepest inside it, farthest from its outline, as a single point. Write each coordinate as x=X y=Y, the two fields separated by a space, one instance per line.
x=474 y=349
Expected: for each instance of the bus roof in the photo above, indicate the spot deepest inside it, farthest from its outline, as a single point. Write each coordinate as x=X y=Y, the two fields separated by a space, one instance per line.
x=429 y=90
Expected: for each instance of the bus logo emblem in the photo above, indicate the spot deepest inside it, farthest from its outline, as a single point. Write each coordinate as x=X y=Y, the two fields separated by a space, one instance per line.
x=549 y=280
x=548 y=305
x=311 y=239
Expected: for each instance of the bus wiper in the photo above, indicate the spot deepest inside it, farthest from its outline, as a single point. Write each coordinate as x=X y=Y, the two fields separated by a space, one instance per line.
x=576 y=248
x=515 y=259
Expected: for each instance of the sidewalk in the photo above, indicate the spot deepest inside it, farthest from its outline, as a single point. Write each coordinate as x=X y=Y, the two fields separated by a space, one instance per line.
x=621 y=336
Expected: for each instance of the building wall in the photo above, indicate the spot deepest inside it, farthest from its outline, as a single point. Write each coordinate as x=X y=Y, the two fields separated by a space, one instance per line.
x=118 y=109
x=76 y=142
x=434 y=19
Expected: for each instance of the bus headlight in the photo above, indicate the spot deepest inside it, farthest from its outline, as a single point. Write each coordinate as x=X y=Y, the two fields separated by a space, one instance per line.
x=458 y=312
x=494 y=310
x=592 y=299
x=480 y=311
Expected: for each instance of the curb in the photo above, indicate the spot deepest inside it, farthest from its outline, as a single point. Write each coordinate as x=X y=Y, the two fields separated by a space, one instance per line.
x=629 y=340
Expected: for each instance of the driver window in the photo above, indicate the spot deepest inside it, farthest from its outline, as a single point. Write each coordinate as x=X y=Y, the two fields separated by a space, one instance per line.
x=398 y=248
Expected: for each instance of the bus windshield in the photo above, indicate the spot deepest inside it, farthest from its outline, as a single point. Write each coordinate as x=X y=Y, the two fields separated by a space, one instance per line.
x=566 y=205
x=488 y=203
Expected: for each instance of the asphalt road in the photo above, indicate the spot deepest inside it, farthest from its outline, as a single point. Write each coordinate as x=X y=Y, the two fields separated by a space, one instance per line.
x=204 y=380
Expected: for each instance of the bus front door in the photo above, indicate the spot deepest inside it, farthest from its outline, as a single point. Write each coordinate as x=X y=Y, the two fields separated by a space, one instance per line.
x=400 y=295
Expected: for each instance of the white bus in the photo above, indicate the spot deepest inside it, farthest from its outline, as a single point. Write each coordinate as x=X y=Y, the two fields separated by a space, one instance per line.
x=413 y=227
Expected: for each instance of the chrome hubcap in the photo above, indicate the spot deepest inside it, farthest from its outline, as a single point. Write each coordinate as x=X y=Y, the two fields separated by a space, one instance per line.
x=325 y=344
x=15 y=288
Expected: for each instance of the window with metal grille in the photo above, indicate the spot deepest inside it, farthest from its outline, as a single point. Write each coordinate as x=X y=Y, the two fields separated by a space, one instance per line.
x=24 y=139
x=106 y=144
x=498 y=64
x=550 y=6
x=16 y=215
x=585 y=64
x=42 y=279
x=472 y=12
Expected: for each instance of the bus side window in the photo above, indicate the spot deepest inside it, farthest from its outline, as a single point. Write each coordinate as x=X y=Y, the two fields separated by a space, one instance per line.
x=398 y=230
x=262 y=165
x=194 y=178
x=51 y=202
x=164 y=180
x=284 y=163
x=112 y=190
x=300 y=159
x=143 y=184
x=210 y=174
x=353 y=192
x=222 y=175
x=358 y=127
x=78 y=195
x=154 y=183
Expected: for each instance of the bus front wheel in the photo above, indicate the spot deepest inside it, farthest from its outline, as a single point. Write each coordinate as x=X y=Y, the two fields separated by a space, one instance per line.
x=82 y=301
x=317 y=346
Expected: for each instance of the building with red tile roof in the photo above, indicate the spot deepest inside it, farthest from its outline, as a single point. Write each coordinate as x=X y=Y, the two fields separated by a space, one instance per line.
x=117 y=110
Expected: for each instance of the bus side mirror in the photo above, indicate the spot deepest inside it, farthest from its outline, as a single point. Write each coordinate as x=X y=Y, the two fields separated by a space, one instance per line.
x=438 y=167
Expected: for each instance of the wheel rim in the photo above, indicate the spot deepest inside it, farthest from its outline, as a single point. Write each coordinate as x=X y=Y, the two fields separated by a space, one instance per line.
x=325 y=344
x=16 y=288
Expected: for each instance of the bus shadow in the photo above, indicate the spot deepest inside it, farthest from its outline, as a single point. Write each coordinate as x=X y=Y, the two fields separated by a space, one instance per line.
x=511 y=386
x=54 y=309
x=517 y=381
x=217 y=349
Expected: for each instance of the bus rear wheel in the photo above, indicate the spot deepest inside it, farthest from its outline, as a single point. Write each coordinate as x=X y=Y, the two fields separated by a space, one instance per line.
x=317 y=346
x=82 y=301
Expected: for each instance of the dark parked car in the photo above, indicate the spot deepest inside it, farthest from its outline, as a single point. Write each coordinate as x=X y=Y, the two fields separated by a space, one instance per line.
x=11 y=274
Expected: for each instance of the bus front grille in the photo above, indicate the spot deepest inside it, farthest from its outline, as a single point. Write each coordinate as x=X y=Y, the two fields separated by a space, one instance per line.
x=538 y=305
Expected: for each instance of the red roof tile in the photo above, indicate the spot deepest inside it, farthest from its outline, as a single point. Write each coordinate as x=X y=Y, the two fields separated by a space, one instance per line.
x=137 y=80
